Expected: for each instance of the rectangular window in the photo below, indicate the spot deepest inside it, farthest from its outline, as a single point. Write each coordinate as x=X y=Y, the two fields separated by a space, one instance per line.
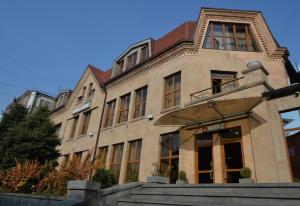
x=133 y=164
x=144 y=53
x=78 y=155
x=102 y=155
x=124 y=108
x=172 y=90
x=74 y=125
x=229 y=36
x=91 y=90
x=169 y=156
x=110 y=111
x=85 y=122
x=81 y=97
x=57 y=129
x=222 y=81
x=116 y=160
x=140 y=102
x=131 y=60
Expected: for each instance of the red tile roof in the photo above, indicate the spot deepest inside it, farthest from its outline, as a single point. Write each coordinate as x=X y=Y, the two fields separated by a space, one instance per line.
x=183 y=32
x=100 y=75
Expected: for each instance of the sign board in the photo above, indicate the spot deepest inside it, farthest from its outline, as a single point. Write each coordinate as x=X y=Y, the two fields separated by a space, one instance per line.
x=211 y=128
x=82 y=107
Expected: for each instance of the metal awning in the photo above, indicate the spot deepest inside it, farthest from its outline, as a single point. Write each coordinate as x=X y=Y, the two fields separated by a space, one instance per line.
x=209 y=111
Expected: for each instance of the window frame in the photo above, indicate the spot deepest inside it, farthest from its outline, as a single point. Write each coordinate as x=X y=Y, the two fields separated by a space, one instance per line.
x=132 y=60
x=86 y=117
x=249 y=37
x=124 y=111
x=118 y=164
x=110 y=113
x=102 y=151
x=235 y=83
x=170 y=157
x=75 y=120
x=136 y=158
x=173 y=92
x=142 y=104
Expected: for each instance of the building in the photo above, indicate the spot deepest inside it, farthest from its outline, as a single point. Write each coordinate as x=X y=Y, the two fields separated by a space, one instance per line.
x=204 y=98
x=32 y=99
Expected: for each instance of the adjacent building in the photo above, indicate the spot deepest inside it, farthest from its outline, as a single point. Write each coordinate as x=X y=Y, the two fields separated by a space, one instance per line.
x=32 y=99
x=205 y=98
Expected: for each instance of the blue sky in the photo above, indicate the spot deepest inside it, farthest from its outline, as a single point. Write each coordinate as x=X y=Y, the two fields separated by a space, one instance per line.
x=46 y=45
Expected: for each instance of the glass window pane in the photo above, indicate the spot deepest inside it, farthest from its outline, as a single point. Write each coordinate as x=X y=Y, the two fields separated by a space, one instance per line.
x=164 y=165
x=218 y=43
x=168 y=101
x=228 y=30
x=208 y=31
x=218 y=29
x=242 y=44
x=174 y=170
x=165 y=146
x=175 y=144
x=131 y=155
x=143 y=109
x=144 y=96
x=169 y=85
x=241 y=31
x=177 y=98
x=230 y=44
x=252 y=46
x=207 y=43
x=139 y=148
x=177 y=81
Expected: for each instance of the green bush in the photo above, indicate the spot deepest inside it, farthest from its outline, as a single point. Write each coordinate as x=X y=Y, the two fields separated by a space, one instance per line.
x=106 y=177
x=246 y=172
x=182 y=175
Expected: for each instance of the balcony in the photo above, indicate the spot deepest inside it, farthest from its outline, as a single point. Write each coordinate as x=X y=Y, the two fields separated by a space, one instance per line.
x=253 y=76
x=217 y=90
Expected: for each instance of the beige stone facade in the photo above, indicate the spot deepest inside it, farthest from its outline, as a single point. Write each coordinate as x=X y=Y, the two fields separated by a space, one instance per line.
x=261 y=138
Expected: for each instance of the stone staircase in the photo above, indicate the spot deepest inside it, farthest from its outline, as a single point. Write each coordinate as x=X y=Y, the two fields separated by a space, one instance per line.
x=213 y=195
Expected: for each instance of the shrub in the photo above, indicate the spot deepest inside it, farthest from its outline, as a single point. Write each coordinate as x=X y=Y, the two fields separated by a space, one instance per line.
x=182 y=175
x=106 y=177
x=246 y=172
x=20 y=178
x=55 y=182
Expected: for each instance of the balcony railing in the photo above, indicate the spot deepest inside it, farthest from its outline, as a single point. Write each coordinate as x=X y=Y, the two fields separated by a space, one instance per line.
x=217 y=89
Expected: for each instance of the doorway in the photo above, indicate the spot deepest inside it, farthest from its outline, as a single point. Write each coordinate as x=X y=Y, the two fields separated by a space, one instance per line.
x=226 y=146
x=205 y=164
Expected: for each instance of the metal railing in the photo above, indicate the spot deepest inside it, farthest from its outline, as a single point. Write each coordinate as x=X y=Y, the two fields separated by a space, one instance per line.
x=228 y=86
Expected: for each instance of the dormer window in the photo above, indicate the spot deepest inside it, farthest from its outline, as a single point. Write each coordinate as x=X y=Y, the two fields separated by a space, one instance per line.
x=229 y=36
x=131 y=60
x=144 y=53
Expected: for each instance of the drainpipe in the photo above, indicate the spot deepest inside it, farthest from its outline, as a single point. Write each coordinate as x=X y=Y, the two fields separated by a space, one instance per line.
x=99 y=129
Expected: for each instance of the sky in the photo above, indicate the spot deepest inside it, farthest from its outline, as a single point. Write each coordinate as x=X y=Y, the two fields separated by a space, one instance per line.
x=47 y=44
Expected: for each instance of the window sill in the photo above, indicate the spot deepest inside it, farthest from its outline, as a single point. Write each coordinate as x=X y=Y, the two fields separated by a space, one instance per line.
x=137 y=119
x=106 y=128
x=120 y=124
x=170 y=109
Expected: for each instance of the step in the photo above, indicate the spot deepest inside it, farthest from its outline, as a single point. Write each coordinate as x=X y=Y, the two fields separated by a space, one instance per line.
x=264 y=191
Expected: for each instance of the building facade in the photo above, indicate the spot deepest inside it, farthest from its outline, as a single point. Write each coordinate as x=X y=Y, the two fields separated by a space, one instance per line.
x=32 y=99
x=193 y=100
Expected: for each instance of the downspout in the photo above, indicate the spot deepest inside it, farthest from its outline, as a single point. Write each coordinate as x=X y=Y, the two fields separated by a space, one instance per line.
x=99 y=129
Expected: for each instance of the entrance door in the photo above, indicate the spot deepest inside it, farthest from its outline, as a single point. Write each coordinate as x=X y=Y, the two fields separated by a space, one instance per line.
x=205 y=164
x=233 y=161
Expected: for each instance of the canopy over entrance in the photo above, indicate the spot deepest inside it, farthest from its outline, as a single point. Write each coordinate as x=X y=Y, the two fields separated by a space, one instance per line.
x=209 y=111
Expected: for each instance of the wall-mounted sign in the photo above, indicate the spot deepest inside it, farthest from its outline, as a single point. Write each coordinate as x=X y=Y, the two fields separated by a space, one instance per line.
x=82 y=107
x=211 y=128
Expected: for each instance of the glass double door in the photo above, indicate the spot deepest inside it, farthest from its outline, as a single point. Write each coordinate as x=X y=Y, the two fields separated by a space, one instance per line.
x=229 y=153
